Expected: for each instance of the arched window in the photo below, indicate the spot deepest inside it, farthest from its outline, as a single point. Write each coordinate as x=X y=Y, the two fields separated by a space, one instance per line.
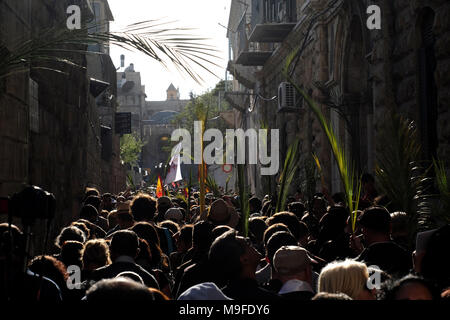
x=427 y=85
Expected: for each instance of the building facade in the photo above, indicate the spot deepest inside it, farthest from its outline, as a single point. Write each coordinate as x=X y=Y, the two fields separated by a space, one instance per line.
x=51 y=122
x=404 y=66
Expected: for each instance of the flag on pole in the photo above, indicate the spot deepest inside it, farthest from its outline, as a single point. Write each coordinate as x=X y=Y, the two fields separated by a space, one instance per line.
x=174 y=173
x=159 y=188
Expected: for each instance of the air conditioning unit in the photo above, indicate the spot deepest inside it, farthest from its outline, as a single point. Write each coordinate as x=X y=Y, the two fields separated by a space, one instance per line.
x=287 y=98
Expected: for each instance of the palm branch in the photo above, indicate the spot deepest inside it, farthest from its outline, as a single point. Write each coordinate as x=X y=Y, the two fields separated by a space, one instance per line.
x=168 y=46
x=350 y=180
x=287 y=175
x=243 y=198
x=400 y=175
x=212 y=185
x=443 y=212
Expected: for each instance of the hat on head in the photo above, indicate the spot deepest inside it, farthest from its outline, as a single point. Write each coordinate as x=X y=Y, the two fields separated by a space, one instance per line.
x=173 y=214
x=222 y=214
x=203 y=291
x=291 y=259
x=123 y=207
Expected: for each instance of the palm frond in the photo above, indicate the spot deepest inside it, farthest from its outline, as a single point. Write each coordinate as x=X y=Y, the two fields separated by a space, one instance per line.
x=212 y=185
x=170 y=46
x=287 y=175
x=351 y=183
x=243 y=198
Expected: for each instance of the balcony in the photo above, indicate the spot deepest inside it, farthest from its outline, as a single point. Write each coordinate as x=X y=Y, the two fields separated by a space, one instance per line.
x=250 y=54
x=272 y=20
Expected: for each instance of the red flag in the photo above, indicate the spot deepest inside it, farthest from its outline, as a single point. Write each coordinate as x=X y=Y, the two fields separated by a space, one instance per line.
x=159 y=188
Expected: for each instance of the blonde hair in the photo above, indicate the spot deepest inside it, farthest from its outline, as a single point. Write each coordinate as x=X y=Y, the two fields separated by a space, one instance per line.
x=347 y=277
x=96 y=252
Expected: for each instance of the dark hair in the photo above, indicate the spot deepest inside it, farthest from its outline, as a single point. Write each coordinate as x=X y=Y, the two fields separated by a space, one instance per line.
x=225 y=256
x=186 y=234
x=202 y=235
x=273 y=229
x=171 y=225
x=392 y=287
x=71 y=253
x=118 y=289
x=143 y=207
x=70 y=233
x=124 y=242
x=50 y=267
x=94 y=201
x=256 y=204
x=220 y=230
x=89 y=212
x=277 y=240
x=146 y=231
x=297 y=208
x=377 y=219
x=367 y=177
x=6 y=242
x=289 y=220
x=256 y=227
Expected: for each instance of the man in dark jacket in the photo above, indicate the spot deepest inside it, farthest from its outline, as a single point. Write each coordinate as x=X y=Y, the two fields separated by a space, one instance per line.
x=234 y=261
x=380 y=250
x=124 y=249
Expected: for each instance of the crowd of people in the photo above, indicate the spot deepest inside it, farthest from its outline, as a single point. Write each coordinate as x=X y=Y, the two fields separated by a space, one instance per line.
x=134 y=246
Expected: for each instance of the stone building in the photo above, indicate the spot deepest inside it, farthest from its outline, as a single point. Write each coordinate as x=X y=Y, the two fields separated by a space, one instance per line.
x=52 y=124
x=403 y=66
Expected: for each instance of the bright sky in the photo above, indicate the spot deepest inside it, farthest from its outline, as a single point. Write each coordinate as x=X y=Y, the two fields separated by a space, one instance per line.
x=203 y=15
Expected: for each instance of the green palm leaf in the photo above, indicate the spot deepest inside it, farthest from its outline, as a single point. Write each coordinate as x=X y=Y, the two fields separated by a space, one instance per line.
x=287 y=175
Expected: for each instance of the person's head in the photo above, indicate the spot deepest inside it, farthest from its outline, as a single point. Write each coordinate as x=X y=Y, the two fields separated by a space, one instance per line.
x=293 y=262
x=220 y=213
x=410 y=287
x=107 y=201
x=131 y=275
x=69 y=233
x=233 y=257
x=113 y=220
x=289 y=220
x=95 y=254
x=121 y=289
x=12 y=243
x=174 y=214
x=220 y=230
x=203 y=291
x=375 y=224
x=50 y=267
x=278 y=240
x=333 y=223
x=124 y=243
x=83 y=227
x=255 y=205
x=71 y=253
x=272 y=230
x=94 y=201
x=184 y=238
x=90 y=191
x=143 y=207
x=349 y=277
x=399 y=227
x=256 y=227
x=297 y=208
x=162 y=205
x=318 y=206
x=202 y=236
x=173 y=227
x=89 y=213
x=125 y=218
x=331 y=296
